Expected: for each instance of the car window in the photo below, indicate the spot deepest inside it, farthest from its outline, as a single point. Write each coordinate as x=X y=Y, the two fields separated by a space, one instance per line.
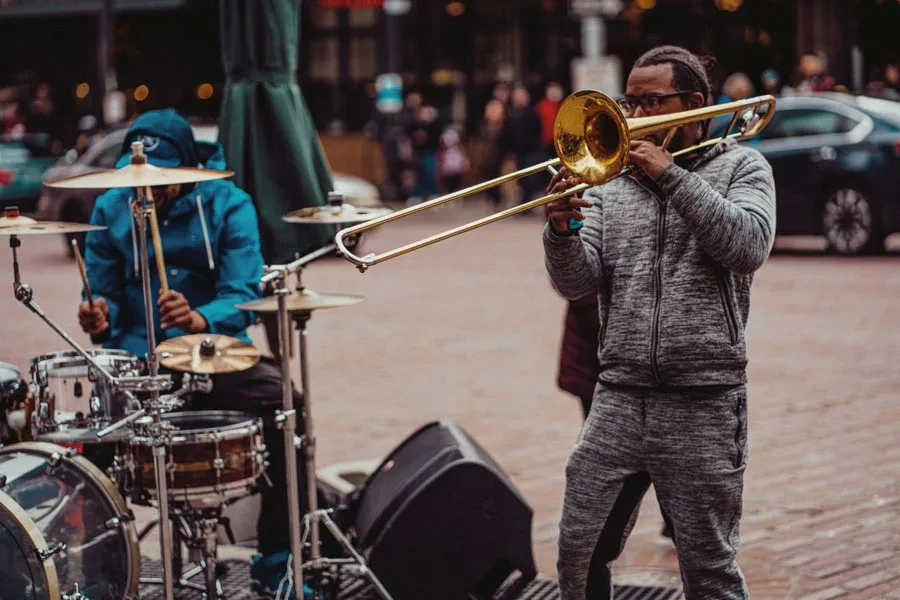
x=806 y=122
x=107 y=159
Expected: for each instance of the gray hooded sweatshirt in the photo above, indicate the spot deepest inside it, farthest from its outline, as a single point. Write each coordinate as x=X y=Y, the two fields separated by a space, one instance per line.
x=672 y=262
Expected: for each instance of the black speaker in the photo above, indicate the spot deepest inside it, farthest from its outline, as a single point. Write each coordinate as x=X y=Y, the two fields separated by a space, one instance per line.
x=439 y=520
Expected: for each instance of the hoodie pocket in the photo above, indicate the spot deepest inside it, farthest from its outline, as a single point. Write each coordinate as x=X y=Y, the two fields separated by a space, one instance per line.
x=728 y=308
x=740 y=434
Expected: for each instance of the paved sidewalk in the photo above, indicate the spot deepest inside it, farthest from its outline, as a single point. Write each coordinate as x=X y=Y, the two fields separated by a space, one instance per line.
x=469 y=330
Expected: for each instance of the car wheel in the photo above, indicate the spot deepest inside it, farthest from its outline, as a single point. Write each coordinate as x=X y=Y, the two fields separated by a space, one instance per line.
x=850 y=223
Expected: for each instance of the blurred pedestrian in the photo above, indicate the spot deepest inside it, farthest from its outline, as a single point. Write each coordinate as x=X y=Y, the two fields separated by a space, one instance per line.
x=737 y=86
x=522 y=137
x=492 y=128
x=424 y=135
x=452 y=160
x=771 y=82
x=547 y=108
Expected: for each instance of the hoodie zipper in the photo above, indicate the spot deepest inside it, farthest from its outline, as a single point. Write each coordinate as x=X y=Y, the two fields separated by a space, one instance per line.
x=657 y=300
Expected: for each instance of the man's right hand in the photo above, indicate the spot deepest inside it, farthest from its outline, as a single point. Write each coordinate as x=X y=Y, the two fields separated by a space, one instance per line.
x=94 y=321
x=560 y=211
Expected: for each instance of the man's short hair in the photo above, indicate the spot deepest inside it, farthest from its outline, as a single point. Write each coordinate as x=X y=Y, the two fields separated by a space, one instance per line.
x=689 y=72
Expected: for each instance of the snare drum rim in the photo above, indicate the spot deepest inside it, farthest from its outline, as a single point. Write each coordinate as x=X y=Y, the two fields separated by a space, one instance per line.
x=36 y=538
x=108 y=490
x=64 y=359
x=250 y=426
x=18 y=372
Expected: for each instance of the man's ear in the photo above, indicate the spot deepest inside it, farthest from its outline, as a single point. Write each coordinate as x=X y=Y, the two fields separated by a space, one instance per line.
x=696 y=100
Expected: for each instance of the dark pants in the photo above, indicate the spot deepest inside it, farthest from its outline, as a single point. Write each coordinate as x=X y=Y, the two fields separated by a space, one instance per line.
x=692 y=446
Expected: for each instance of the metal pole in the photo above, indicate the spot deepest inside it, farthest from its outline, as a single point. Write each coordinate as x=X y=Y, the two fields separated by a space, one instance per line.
x=104 y=58
x=309 y=440
x=289 y=424
x=142 y=214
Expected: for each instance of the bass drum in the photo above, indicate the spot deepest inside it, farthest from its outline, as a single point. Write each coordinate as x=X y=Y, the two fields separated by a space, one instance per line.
x=63 y=524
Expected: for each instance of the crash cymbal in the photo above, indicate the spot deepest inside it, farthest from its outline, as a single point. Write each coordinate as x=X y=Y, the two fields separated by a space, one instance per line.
x=26 y=226
x=138 y=175
x=304 y=300
x=345 y=213
x=207 y=353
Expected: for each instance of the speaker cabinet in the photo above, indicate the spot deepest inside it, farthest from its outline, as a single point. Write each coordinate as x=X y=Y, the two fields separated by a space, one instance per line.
x=439 y=520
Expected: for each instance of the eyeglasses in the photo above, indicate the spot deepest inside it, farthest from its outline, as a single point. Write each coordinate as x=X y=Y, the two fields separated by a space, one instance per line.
x=649 y=102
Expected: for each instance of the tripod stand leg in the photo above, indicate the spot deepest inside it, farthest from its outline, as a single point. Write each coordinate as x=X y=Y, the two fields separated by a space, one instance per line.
x=332 y=527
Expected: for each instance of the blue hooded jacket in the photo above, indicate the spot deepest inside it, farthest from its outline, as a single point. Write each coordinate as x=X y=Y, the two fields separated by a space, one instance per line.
x=210 y=242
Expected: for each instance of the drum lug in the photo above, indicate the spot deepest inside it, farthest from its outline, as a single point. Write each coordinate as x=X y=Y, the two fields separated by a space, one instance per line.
x=76 y=595
x=45 y=553
x=123 y=518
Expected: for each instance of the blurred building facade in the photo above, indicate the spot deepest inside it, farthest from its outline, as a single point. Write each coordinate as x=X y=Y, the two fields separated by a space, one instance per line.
x=166 y=52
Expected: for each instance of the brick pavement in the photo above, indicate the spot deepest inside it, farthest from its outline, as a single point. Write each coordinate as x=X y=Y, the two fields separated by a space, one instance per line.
x=469 y=330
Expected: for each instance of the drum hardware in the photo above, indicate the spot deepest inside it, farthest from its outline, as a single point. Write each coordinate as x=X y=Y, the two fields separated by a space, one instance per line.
x=207 y=353
x=138 y=174
x=215 y=457
x=72 y=534
x=49 y=551
x=141 y=176
x=287 y=421
x=76 y=595
x=197 y=530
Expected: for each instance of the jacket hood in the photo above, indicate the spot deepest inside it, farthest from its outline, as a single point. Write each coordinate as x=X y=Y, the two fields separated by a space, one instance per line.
x=167 y=137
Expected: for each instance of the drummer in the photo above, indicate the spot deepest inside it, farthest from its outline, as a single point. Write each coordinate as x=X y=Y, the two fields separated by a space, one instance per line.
x=211 y=245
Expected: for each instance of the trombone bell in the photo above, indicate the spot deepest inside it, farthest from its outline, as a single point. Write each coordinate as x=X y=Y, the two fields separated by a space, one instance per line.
x=592 y=138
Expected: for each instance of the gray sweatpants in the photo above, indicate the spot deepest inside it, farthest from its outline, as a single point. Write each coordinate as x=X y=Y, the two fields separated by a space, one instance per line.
x=692 y=446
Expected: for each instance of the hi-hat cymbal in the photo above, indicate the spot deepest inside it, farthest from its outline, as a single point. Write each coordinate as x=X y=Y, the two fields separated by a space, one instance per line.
x=138 y=175
x=304 y=300
x=345 y=213
x=207 y=353
x=26 y=226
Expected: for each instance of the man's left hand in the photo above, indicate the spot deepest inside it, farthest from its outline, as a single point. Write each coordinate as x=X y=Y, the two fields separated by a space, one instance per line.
x=649 y=158
x=176 y=312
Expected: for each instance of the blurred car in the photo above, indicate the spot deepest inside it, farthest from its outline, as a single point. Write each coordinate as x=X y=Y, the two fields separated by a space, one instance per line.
x=76 y=205
x=23 y=162
x=836 y=161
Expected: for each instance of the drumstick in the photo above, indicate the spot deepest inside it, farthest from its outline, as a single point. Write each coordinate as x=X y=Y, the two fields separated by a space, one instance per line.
x=157 y=245
x=83 y=271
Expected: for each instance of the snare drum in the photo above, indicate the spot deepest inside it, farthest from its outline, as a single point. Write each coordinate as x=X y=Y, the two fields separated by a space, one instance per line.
x=212 y=457
x=73 y=402
x=62 y=524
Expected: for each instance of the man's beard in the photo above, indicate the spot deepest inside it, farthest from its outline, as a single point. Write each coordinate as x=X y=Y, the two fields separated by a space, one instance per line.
x=164 y=194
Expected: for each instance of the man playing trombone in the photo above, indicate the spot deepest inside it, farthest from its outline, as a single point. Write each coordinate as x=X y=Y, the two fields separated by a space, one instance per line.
x=672 y=249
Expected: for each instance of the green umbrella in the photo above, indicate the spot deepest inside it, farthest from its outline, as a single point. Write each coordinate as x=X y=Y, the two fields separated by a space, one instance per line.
x=269 y=137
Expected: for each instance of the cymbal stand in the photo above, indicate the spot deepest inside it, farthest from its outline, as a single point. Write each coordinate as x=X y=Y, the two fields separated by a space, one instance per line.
x=142 y=212
x=277 y=274
x=25 y=294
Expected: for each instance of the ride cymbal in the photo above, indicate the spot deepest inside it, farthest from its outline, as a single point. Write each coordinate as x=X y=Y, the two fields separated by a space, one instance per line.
x=207 y=353
x=25 y=226
x=345 y=213
x=138 y=176
x=304 y=300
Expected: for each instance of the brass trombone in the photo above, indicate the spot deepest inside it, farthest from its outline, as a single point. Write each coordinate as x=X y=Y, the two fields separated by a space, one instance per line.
x=592 y=138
